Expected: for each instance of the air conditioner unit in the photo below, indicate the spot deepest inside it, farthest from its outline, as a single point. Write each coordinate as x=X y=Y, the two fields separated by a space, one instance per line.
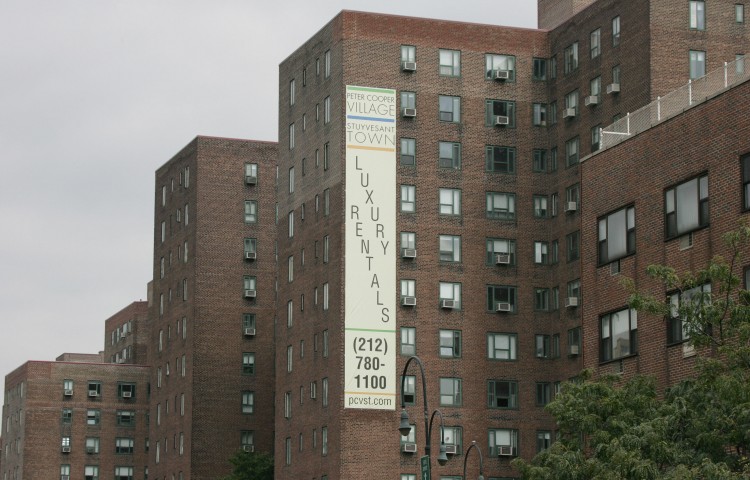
x=409 y=112
x=90 y=449
x=248 y=448
x=613 y=88
x=93 y=393
x=501 y=74
x=591 y=100
x=250 y=255
x=501 y=121
x=448 y=304
x=249 y=293
x=409 y=253
x=502 y=259
x=409 y=66
x=409 y=301
x=571 y=302
x=571 y=206
x=127 y=394
x=64 y=477
x=445 y=163
x=504 y=451
x=503 y=307
x=451 y=449
x=569 y=113
x=251 y=180
x=574 y=349
x=65 y=449
x=68 y=392
x=249 y=332
x=409 y=447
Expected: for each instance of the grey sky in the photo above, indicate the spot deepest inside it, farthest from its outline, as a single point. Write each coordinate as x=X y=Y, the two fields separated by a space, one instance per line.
x=97 y=94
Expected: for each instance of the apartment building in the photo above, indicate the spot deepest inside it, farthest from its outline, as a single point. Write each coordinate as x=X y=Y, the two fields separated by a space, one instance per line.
x=126 y=335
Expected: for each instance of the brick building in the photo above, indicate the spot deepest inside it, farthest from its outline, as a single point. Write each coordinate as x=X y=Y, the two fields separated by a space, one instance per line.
x=126 y=335
x=213 y=311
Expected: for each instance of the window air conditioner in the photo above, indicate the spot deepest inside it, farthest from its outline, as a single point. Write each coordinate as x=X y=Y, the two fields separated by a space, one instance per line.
x=503 y=307
x=574 y=349
x=445 y=163
x=571 y=302
x=90 y=450
x=251 y=180
x=569 y=113
x=501 y=74
x=409 y=253
x=571 y=206
x=93 y=393
x=501 y=121
x=448 y=304
x=409 y=447
x=409 y=66
x=591 y=100
x=248 y=448
x=249 y=293
x=613 y=88
x=68 y=392
x=504 y=451
x=249 y=332
x=502 y=259
x=409 y=301
x=64 y=477
x=409 y=112
x=127 y=394
x=250 y=255
x=451 y=449
x=66 y=449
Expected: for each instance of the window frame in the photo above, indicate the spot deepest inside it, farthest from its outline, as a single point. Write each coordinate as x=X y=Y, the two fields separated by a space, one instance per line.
x=451 y=392
x=494 y=399
x=502 y=60
x=449 y=62
x=452 y=160
x=497 y=353
x=607 y=350
x=507 y=213
x=449 y=343
x=671 y=227
x=452 y=207
x=449 y=108
x=503 y=108
x=603 y=234
x=449 y=248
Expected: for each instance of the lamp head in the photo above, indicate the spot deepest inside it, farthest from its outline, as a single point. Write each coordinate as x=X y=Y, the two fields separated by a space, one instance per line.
x=404 y=427
x=442 y=457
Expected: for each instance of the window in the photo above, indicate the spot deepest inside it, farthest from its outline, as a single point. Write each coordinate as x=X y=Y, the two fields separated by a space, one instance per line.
x=595 y=42
x=539 y=71
x=247 y=438
x=543 y=440
x=450 y=248
x=327 y=64
x=571 y=103
x=450 y=201
x=124 y=473
x=325 y=296
x=617 y=235
x=449 y=108
x=251 y=173
x=291 y=92
x=541 y=253
x=697 y=64
x=619 y=334
x=250 y=246
x=450 y=343
x=249 y=286
x=501 y=205
x=411 y=437
x=697 y=15
x=251 y=211
x=95 y=389
x=502 y=394
x=124 y=445
x=616 y=74
x=503 y=441
x=408 y=198
x=739 y=64
x=248 y=402
x=494 y=64
x=67 y=415
x=290 y=230
x=325 y=343
x=616 y=31
x=451 y=291
x=248 y=321
x=410 y=389
x=289 y=358
x=287 y=405
x=595 y=87
x=541 y=299
x=248 y=363
x=408 y=151
x=571 y=151
x=686 y=305
x=408 y=288
x=450 y=392
x=408 y=240
x=408 y=476
x=574 y=289
x=326 y=202
x=745 y=160
x=326 y=243
x=739 y=13
x=500 y=159
x=501 y=294
x=539 y=114
x=324 y=441
x=453 y=436
x=326 y=156
x=554 y=201
x=686 y=207
x=291 y=136
x=291 y=180
x=500 y=246
x=553 y=67
x=495 y=109
x=327 y=110
x=540 y=206
x=552 y=114
x=543 y=346
x=449 y=155
x=574 y=245
x=595 y=137
x=408 y=341
x=288 y=450
x=93 y=416
x=126 y=418
x=408 y=100
x=450 y=63
x=68 y=386
x=91 y=472
x=408 y=53
x=501 y=346
x=570 y=55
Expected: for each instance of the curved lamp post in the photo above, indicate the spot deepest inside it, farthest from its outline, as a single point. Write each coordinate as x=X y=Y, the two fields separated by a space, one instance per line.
x=405 y=427
x=474 y=445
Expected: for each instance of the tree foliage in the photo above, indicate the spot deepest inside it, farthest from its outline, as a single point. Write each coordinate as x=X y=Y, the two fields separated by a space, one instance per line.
x=697 y=429
x=251 y=466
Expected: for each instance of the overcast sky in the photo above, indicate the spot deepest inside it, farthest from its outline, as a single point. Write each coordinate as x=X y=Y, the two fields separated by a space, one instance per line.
x=97 y=94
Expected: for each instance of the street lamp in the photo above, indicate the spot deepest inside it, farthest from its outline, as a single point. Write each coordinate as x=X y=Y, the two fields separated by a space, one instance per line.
x=474 y=445
x=404 y=427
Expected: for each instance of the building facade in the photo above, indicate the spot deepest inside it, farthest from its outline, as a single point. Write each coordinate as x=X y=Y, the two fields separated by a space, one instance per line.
x=126 y=335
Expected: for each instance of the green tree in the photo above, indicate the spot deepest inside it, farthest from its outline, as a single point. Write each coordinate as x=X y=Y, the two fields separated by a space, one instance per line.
x=251 y=466
x=697 y=429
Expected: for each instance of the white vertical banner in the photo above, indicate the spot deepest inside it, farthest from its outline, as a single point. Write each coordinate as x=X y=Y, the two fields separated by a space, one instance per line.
x=370 y=249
